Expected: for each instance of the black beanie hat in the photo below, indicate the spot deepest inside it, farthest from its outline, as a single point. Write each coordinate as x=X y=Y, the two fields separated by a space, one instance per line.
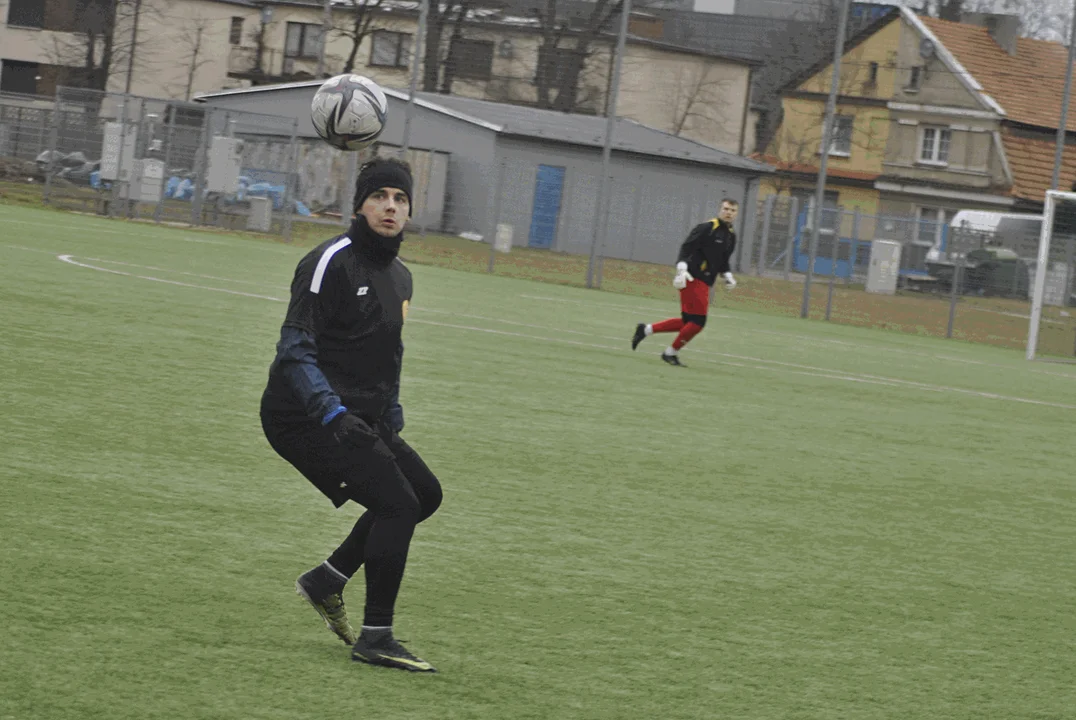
x=380 y=173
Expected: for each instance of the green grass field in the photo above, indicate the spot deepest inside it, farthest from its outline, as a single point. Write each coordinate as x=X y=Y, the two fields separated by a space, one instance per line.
x=810 y=521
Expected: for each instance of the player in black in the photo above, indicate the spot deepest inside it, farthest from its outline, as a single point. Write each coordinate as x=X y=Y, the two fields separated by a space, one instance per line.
x=331 y=408
x=703 y=258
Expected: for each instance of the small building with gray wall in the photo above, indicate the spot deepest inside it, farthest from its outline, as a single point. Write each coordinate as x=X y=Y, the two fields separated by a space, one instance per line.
x=538 y=172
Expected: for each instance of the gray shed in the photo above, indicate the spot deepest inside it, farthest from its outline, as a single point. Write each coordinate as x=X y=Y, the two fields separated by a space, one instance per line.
x=539 y=171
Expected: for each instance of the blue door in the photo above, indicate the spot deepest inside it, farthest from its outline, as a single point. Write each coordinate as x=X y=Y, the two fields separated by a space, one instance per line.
x=547 y=191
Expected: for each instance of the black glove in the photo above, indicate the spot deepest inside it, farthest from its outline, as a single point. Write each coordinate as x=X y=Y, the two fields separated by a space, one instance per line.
x=352 y=430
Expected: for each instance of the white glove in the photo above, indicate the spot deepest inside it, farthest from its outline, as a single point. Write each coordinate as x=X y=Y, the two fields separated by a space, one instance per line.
x=683 y=277
x=730 y=282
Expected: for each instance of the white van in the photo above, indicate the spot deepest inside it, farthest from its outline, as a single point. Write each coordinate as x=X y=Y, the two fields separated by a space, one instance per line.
x=1016 y=231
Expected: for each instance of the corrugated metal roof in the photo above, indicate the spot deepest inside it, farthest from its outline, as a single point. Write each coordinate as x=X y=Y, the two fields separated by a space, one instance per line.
x=589 y=130
x=529 y=122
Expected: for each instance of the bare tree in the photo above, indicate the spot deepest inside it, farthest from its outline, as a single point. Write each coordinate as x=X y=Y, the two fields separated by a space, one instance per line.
x=1039 y=19
x=104 y=43
x=797 y=144
x=191 y=42
x=694 y=98
x=564 y=50
x=451 y=65
x=357 y=26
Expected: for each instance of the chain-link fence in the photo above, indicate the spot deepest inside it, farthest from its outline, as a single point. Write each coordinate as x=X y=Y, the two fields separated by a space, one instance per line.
x=969 y=280
x=127 y=156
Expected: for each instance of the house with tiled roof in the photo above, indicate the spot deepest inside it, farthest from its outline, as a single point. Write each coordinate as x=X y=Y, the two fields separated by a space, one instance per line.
x=933 y=117
x=1025 y=80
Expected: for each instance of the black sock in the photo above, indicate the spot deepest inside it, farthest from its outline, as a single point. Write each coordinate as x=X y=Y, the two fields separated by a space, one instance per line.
x=386 y=557
x=347 y=558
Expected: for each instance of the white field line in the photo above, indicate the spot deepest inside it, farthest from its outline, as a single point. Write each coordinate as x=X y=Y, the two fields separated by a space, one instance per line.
x=760 y=363
x=69 y=259
x=817 y=340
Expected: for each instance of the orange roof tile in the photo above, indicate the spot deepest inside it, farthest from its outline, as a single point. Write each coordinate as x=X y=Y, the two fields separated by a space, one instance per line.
x=1028 y=85
x=1032 y=163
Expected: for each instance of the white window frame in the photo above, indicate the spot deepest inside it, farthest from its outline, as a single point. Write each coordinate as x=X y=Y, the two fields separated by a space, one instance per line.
x=937 y=133
x=809 y=224
x=834 y=150
x=307 y=44
x=942 y=217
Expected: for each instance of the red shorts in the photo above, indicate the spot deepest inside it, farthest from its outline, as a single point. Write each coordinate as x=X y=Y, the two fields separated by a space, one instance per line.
x=695 y=298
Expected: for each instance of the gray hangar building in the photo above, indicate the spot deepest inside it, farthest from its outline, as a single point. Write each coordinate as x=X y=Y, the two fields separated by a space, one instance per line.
x=538 y=172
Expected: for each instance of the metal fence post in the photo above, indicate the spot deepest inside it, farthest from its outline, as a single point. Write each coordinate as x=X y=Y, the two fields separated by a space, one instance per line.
x=605 y=233
x=636 y=207
x=348 y=195
x=159 y=210
x=18 y=131
x=118 y=182
x=958 y=272
x=836 y=258
x=793 y=226
x=200 y=162
x=289 y=182
x=497 y=192
x=767 y=210
x=54 y=141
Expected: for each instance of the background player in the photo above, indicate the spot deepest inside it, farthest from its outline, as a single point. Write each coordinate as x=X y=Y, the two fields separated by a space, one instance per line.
x=703 y=258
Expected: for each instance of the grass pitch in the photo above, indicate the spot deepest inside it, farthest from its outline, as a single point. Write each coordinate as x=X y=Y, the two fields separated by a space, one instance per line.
x=810 y=521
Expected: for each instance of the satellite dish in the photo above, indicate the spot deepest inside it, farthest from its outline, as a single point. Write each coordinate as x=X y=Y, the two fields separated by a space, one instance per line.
x=926 y=48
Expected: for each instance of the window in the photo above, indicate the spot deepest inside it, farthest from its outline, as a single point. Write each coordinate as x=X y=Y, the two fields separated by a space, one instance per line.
x=26 y=13
x=473 y=59
x=235 y=34
x=872 y=78
x=18 y=77
x=830 y=211
x=915 y=77
x=303 y=40
x=390 y=49
x=841 y=140
x=556 y=62
x=929 y=232
x=935 y=145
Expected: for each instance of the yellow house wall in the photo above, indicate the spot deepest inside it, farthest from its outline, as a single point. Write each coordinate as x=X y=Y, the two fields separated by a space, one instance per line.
x=799 y=137
x=882 y=48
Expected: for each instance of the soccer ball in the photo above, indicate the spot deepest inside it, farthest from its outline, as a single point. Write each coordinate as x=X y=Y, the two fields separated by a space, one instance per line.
x=348 y=111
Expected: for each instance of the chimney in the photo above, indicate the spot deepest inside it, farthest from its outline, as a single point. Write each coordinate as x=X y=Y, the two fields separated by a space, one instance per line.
x=1005 y=29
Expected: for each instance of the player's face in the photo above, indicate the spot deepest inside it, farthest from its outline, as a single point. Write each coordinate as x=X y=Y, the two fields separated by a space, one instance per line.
x=386 y=211
x=729 y=212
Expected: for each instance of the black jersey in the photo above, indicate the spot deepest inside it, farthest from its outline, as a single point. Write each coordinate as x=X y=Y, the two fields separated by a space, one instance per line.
x=351 y=301
x=708 y=249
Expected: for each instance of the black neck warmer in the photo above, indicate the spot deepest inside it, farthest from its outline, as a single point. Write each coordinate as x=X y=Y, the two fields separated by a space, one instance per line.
x=378 y=248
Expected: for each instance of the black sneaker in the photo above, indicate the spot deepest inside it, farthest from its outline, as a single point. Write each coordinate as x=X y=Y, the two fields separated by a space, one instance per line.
x=325 y=596
x=639 y=336
x=381 y=648
x=672 y=360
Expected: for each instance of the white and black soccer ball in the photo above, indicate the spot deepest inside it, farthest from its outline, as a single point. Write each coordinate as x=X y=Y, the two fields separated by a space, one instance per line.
x=349 y=111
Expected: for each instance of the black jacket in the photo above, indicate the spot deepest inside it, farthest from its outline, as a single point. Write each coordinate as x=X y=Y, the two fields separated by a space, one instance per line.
x=707 y=250
x=341 y=338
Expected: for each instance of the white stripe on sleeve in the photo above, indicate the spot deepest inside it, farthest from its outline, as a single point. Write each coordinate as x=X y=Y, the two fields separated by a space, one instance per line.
x=323 y=263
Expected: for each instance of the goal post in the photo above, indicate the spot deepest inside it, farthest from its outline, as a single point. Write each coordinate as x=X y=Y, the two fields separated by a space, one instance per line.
x=1053 y=266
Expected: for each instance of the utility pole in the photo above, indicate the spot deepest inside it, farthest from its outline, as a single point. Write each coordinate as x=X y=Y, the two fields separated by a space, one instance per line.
x=417 y=54
x=1059 y=150
x=827 y=141
x=610 y=129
